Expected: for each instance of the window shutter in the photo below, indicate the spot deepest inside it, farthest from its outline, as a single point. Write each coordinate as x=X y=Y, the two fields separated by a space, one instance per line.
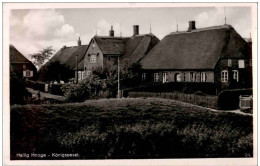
x=24 y=73
x=31 y=73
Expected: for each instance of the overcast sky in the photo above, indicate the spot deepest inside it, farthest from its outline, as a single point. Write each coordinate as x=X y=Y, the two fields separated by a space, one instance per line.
x=33 y=30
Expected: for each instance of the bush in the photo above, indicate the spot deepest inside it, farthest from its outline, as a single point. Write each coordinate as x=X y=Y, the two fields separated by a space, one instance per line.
x=17 y=90
x=229 y=99
x=92 y=87
x=184 y=87
x=76 y=92
x=35 y=85
x=56 y=89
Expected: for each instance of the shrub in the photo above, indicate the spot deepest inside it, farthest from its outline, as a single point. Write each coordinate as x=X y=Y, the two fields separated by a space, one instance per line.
x=56 y=89
x=92 y=87
x=17 y=90
x=76 y=92
x=185 y=87
x=229 y=99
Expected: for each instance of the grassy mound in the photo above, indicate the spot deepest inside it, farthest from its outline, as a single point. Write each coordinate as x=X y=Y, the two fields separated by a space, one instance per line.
x=129 y=128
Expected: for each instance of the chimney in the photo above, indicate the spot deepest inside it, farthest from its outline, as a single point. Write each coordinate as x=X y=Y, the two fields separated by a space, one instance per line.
x=191 y=26
x=111 y=32
x=136 y=30
x=79 y=42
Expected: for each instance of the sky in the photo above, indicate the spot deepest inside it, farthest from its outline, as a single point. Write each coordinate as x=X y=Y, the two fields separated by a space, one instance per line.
x=35 y=29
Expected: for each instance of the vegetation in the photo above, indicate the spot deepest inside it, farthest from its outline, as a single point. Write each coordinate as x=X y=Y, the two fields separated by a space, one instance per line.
x=17 y=90
x=102 y=83
x=184 y=87
x=130 y=128
x=229 y=99
x=40 y=57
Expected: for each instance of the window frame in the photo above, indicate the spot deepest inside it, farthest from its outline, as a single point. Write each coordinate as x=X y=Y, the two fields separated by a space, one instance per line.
x=143 y=76
x=93 y=58
x=156 y=77
x=165 y=77
x=235 y=73
x=224 y=76
x=229 y=62
x=241 y=63
x=203 y=77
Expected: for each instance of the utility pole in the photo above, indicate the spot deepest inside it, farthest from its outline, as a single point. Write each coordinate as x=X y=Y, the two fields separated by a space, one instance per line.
x=225 y=15
x=76 y=68
x=118 y=91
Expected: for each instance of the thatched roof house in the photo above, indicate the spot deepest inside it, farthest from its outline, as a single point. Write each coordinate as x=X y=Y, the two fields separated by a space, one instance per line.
x=103 y=51
x=201 y=55
x=66 y=58
x=20 y=65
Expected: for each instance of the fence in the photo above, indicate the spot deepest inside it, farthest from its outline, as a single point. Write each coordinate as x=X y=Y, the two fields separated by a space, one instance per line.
x=209 y=101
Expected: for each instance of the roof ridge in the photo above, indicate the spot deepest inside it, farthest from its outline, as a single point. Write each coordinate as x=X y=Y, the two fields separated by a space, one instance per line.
x=226 y=26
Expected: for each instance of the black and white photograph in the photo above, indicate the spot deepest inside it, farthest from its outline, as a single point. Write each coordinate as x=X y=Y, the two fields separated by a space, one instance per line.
x=130 y=82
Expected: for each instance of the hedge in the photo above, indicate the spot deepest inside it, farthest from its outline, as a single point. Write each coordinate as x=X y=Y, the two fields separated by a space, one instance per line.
x=187 y=87
x=229 y=99
x=53 y=88
x=35 y=85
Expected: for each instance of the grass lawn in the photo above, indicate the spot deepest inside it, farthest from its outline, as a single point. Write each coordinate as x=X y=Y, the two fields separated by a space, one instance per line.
x=129 y=128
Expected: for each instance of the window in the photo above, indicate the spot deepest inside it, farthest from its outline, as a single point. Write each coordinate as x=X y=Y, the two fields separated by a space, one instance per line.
x=24 y=66
x=224 y=76
x=88 y=73
x=143 y=76
x=235 y=75
x=241 y=63
x=184 y=77
x=177 y=77
x=79 y=75
x=27 y=73
x=165 y=77
x=229 y=62
x=83 y=74
x=93 y=59
x=156 y=77
x=192 y=77
x=203 y=77
x=108 y=58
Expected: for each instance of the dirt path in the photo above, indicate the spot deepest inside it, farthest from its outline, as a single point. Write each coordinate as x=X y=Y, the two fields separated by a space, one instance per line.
x=46 y=95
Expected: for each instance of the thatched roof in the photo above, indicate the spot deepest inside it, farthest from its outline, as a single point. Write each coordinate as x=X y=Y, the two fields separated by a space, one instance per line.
x=111 y=45
x=16 y=56
x=130 y=48
x=67 y=56
x=137 y=47
x=198 y=49
x=80 y=65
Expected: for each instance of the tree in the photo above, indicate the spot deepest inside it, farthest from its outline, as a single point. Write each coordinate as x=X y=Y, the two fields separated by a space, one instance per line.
x=40 y=57
x=55 y=71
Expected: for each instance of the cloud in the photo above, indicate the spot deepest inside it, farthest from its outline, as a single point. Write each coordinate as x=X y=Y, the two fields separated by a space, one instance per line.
x=38 y=29
x=234 y=16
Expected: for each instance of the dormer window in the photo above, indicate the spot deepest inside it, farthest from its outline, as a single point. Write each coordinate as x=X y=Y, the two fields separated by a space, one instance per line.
x=93 y=59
